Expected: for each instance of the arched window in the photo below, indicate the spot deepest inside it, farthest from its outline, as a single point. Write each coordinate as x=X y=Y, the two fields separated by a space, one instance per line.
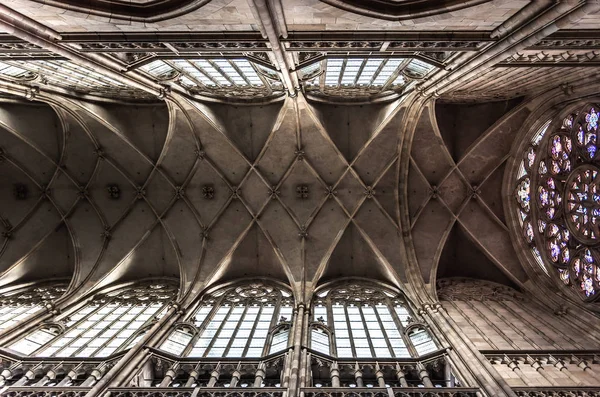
x=367 y=321
x=560 y=199
x=19 y=303
x=110 y=322
x=320 y=338
x=237 y=321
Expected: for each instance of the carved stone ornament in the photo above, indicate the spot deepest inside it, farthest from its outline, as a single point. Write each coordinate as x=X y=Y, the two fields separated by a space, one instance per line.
x=113 y=191
x=20 y=190
x=302 y=191
x=465 y=289
x=140 y=295
x=208 y=192
x=34 y=296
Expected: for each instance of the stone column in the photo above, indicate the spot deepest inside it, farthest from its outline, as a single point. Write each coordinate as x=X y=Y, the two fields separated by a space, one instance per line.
x=49 y=376
x=260 y=374
x=169 y=376
x=335 y=374
x=192 y=378
x=358 y=376
x=214 y=377
x=424 y=375
x=401 y=376
x=379 y=376
x=235 y=378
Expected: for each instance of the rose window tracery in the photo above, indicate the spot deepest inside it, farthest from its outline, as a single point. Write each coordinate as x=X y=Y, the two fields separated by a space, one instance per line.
x=558 y=196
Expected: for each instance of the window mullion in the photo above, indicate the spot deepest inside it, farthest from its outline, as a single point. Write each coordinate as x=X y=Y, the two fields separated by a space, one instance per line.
x=360 y=69
x=362 y=317
x=103 y=330
x=238 y=70
x=200 y=329
x=377 y=72
x=205 y=73
x=222 y=72
x=252 y=331
x=395 y=74
x=235 y=332
x=110 y=339
x=84 y=319
x=385 y=334
x=216 y=336
x=407 y=341
x=350 y=334
x=342 y=72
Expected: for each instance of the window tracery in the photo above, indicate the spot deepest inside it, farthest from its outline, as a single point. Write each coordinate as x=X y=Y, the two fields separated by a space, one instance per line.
x=339 y=76
x=110 y=322
x=217 y=76
x=564 y=193
x=366 y=321
x=523 y=193
x=248 y=320
x=20 y=303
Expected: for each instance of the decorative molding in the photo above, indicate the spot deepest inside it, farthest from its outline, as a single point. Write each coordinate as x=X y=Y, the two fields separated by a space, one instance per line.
x=139 y=11
x=458 y=289
x=402 y=10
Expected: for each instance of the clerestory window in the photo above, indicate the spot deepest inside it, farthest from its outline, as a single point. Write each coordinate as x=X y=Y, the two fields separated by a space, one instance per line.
x=366 y=321
x=110 y=322
x=19 y=303
x=249 y=320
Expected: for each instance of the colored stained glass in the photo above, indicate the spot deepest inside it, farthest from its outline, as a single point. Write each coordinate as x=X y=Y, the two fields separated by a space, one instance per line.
x=592 y=119
x=564 y=212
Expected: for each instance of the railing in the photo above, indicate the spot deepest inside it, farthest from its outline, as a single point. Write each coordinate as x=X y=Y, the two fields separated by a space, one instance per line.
x=32 y=374
x=557 y=391
x=196 y=392
x=390 y=392
x=33 y=391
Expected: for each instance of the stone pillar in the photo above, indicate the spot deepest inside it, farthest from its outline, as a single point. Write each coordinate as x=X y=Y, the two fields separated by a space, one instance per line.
x=401 y=376
x=214 y=377
x=559 y=365
x=379 y=376
x=335 y=374
x=358 y=376
x=235 y=378
x=95 y=375
x=192 y=379
x=169 y=376
x=539 y=367
x=260 y=374
x=49 y=376
x=294 y=361
x=424 y=375
x=5 y=375
x=70 y=376
x=25 y=378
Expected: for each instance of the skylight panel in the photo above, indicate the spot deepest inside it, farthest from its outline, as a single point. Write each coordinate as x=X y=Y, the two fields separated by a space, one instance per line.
x=192 y=73
x=211 y=71
x=332 y=73
x=419 y=67
x=310 y=69
x=351 y=70
x=249 y=73
x=158 y=68
x=369 y=71
x=230 y=71
x=12 y=71
x=388 y=69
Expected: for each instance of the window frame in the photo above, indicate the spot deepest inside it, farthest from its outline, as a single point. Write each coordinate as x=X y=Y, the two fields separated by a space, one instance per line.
x=330 y=296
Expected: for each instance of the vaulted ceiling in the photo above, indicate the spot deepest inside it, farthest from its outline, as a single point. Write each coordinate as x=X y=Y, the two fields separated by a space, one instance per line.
x=299 y=140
